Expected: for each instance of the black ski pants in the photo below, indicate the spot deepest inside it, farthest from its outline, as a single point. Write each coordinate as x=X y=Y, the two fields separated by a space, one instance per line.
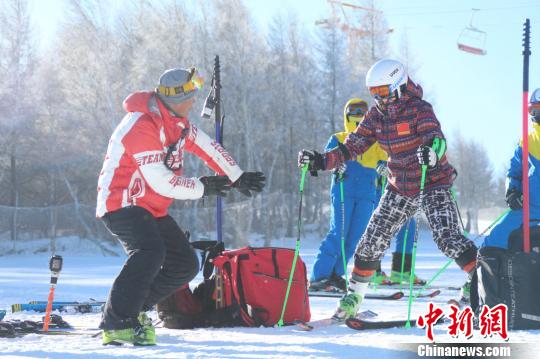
x=160 y=260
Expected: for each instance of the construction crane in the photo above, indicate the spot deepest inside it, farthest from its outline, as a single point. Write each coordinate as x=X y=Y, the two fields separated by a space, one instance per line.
x=342 y=21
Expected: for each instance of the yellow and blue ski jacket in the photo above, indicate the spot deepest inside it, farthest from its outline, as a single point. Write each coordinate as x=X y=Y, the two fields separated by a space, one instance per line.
x=360 y=175
x=499 y=235
x=514 y=174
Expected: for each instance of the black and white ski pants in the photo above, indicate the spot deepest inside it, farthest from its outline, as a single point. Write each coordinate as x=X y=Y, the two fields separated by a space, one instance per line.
x=160 y=260
x=395 y=209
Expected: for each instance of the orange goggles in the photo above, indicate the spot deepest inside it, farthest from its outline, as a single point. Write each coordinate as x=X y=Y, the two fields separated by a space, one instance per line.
x=195 y=82
x=380 y=91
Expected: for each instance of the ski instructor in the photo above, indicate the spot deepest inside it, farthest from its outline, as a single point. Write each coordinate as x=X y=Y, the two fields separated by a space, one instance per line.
x=405 y=127
x=141 y=175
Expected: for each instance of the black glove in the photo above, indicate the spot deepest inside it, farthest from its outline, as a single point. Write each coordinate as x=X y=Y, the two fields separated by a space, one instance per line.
x=215 y=185
x=427 y=156
x=514 y=199
x=250 y=181
x=313 y=159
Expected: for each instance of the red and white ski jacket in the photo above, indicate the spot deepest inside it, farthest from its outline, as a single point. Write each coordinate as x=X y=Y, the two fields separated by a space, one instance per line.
x=134 y=172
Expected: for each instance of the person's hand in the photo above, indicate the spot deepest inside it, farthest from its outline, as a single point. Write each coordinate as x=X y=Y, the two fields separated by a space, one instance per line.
x=427 y=156
x=250 y=182
x=514 y=199
x=313 y=159
x=215 y=185
x=382 y=170
x=339 y=171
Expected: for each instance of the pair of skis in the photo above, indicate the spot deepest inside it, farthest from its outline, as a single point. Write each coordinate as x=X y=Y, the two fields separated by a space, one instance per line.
x=41 y=306
x=393 y=296
x=363 y=321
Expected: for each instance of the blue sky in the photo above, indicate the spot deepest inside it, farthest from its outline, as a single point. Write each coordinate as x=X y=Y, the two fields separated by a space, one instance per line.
x=477 y=95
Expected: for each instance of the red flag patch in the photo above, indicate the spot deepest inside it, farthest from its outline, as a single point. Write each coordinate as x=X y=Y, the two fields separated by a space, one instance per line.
x=403 y=129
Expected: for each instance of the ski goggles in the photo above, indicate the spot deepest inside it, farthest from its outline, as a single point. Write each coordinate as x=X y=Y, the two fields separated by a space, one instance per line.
x=534 y=109
x=380 y=91
x=195 y=82
x=357 y=110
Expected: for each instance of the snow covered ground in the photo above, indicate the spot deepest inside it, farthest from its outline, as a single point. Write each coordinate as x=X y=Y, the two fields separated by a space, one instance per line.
x=25 y=277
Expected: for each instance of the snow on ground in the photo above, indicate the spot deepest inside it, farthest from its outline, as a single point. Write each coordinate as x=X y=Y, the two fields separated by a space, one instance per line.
x=25 y=277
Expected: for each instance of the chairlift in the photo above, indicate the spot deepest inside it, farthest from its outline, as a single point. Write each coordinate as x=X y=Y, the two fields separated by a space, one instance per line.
x=471 y=39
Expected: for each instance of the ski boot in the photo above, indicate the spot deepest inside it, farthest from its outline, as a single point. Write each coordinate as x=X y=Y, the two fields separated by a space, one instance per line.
x=348 y=306
x=323 y=285
x=465 y=293
x=143 y=334
x=146 y=333
x=380 y=278
x=338 y=282
x=118 y=336
x=395 y=278
x=465 y=296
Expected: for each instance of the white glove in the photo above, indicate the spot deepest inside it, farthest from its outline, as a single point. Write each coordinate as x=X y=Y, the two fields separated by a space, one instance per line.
x=427 y=156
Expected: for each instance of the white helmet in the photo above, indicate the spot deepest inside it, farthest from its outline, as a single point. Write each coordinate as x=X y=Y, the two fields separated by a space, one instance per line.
x=387 y=72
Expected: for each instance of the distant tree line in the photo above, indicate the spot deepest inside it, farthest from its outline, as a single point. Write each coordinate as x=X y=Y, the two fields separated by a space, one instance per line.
x=281 y=92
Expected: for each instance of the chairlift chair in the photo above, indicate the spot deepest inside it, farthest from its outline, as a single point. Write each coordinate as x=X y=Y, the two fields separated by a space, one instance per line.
x=472 y=40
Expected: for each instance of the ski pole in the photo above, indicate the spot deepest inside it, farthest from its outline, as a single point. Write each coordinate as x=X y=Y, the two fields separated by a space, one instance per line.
x=403 y=254
x=55 y=265
x=383 y=187
x=440 y=271
x=413 y=259
x=297 y=247
x=343 y=230
x=525 y=136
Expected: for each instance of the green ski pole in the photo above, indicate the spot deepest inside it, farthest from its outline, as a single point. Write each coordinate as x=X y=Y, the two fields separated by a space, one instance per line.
x=403 y=255
x=297 y=247
x=413 y=260
x=435 y=146
x=343 y=230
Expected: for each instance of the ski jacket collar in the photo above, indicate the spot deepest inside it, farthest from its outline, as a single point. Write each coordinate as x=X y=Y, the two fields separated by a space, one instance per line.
x=412 y=93
x=149 y=103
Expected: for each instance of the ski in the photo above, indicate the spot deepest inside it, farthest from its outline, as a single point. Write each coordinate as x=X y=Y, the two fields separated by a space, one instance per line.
x=415 y=287
x=393 y=296
x=362 y=324
x=327 y=322
x=91 y=301
x=426 y=295
x=92 y=307
x=460 y=303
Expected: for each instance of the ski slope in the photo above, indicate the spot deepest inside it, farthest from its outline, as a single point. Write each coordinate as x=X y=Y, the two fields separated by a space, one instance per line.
x=25 y=277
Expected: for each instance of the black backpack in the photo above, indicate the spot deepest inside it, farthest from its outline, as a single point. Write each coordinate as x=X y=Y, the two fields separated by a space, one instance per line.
x=512 y=277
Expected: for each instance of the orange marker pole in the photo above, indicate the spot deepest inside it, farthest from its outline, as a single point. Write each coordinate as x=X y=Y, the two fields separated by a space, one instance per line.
x=55 y=265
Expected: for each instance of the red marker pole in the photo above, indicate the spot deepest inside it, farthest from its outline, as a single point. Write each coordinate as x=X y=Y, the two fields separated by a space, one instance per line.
x=55 y=265
x=525 y=136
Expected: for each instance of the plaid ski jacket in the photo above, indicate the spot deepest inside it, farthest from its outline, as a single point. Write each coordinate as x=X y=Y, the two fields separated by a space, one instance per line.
x=407 y=124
